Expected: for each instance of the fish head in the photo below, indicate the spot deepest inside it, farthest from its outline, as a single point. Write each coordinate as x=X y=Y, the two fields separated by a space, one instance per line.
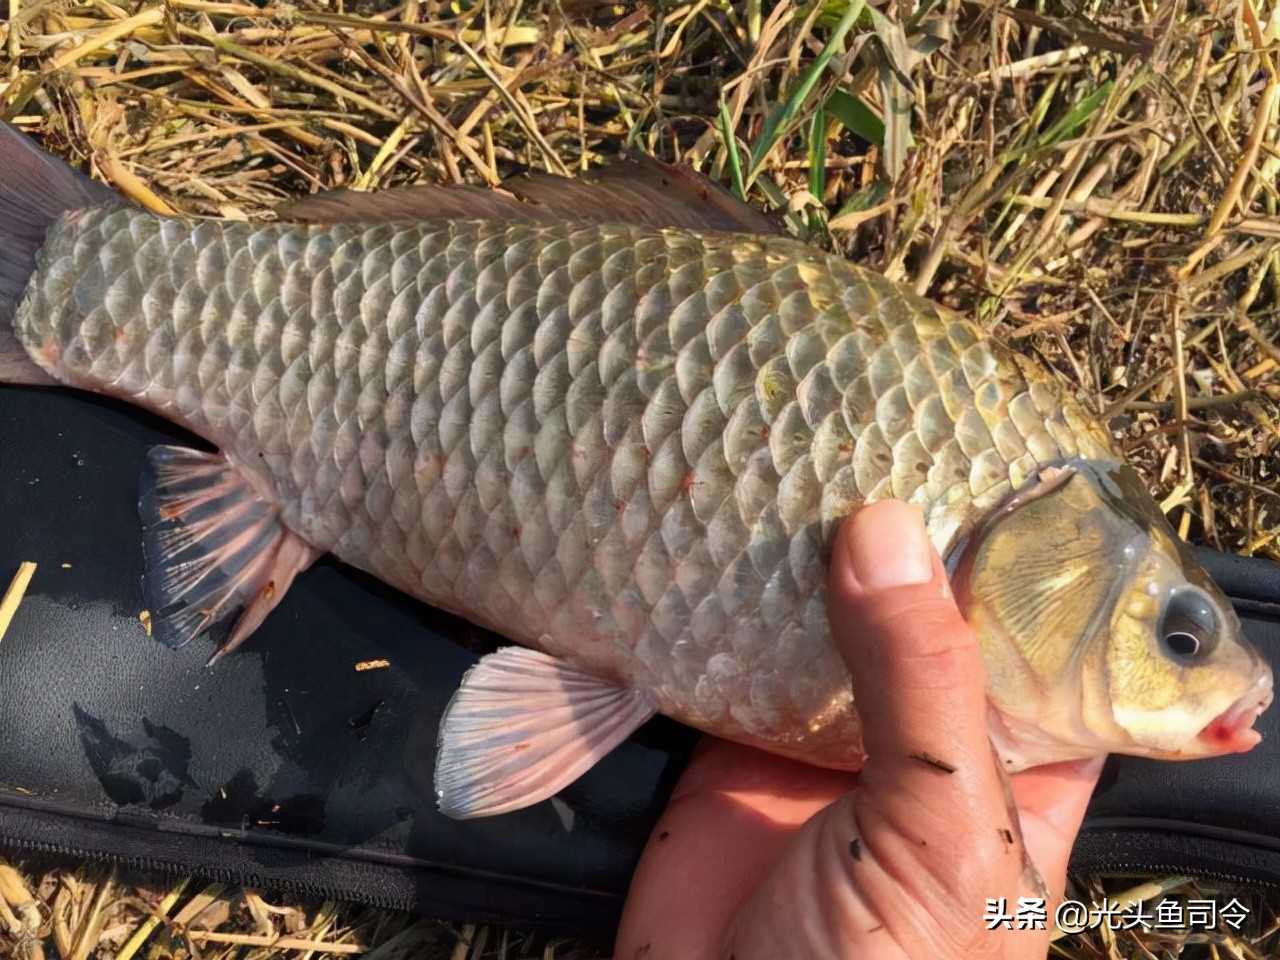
x=1100 y=631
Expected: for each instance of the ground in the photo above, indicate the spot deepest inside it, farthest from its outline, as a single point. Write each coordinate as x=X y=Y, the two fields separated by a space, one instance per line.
x=1094 y=181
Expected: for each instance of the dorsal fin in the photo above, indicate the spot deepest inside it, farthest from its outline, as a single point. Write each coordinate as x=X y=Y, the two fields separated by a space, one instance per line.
x=636 y=188
x=632 y=188
x=426 y=201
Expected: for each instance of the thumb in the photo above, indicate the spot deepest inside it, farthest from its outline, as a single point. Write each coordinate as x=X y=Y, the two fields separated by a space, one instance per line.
x=899 y=866
x=918 y=679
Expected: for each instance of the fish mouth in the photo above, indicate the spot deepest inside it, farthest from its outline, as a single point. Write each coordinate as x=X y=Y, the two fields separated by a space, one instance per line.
x=1232 y=730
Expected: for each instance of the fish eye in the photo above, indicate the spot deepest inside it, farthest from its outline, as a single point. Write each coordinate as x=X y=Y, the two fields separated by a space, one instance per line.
x=1188 y=626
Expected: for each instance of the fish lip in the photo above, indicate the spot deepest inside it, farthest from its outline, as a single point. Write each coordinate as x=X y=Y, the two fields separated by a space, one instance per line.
x=1232 y=730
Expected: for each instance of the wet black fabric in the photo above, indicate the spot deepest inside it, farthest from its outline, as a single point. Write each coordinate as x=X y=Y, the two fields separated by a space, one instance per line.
x=287 y=767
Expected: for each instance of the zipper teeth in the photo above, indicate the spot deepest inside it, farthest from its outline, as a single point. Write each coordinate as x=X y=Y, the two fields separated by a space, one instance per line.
x=1129 y=868
x=236 y=878
x=406 y=866
x=241 y=878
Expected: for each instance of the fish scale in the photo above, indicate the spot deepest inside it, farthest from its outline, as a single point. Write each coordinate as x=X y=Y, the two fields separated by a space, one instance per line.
x=623 y=445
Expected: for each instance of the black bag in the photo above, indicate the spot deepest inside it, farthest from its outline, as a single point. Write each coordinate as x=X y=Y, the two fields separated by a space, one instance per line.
x=303 y=764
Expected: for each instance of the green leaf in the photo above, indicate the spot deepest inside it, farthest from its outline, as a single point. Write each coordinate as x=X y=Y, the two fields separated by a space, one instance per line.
x=856 y=116
x=776 y=124
x=818 y=154
x=731 y=147
x=899 y=54
x=1076 y=117
x=866 y=198
x=829 y=14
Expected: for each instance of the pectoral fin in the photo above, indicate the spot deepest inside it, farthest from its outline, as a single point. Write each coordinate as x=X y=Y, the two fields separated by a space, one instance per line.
x=524 y=725
x=218 y=558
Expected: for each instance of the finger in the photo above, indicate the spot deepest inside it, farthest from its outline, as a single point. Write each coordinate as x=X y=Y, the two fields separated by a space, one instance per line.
x=918 y=679
x=1051 y=803
x=762 y=780
x=731 y=816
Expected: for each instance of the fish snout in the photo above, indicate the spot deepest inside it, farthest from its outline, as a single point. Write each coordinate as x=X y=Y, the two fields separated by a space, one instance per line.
x=1232 y=730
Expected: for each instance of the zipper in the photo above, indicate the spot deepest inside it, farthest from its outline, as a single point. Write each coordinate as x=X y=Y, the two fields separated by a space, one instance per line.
x=1223 y=837
x=133 y=829
x=1130 y=868
x=216 y=874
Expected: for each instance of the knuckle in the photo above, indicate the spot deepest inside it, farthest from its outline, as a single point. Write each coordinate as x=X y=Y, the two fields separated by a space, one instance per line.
x=928 y=631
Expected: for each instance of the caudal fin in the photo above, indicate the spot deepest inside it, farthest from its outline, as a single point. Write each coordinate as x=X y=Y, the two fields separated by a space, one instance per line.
x=35 y=189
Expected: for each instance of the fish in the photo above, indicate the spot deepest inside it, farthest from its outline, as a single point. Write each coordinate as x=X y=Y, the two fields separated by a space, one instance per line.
x=618 y=422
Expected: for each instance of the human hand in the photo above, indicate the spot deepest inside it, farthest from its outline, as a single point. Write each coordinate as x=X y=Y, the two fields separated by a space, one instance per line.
x=758 y=856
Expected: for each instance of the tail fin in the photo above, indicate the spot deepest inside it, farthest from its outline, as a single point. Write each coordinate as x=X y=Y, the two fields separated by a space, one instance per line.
x=35 y=189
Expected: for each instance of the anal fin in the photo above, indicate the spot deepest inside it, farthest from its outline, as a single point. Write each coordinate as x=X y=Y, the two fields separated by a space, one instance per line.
x=218 y=558
x=522 y=726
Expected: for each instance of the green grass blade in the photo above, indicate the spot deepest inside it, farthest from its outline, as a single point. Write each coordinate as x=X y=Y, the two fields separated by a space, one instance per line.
x=725 y=123
x=856 y=116
x=866 y=198
x=818 y=154
x=776 y=124
x=1076 y=117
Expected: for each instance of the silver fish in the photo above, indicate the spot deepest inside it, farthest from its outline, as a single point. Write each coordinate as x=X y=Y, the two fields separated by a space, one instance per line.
x=626 y=447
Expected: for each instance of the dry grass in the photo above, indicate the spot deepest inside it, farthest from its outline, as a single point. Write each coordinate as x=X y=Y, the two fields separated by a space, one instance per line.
x=1094 y=180
x=88 y=912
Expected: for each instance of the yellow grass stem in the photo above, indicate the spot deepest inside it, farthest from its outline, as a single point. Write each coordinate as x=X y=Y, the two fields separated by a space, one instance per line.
x=277 y=943
x=1111 y=210
x=10 y=919
x=385 y=150
x=128 y=183
x=519 y=110
x=20 y=913
x=1246 y=257
x=856 y=218
x=13 y=889
x=90 y=928
x=198 y=904
x=12 y=43
x=1033 y=65
x=1180 y=385
x=289 y=71
x=104 y=37
x=14 y=594
x=1263 y=341
x=466 y=940
x=148 y=926
x=1263 y=119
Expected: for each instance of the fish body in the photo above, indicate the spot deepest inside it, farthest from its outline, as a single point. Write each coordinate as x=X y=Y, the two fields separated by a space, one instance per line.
x=626 y=447
x=623 y=446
